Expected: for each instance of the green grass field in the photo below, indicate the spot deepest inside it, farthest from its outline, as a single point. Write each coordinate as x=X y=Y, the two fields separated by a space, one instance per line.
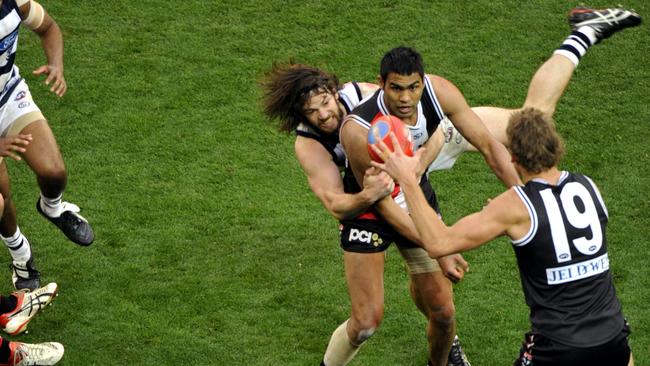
x=210 y=247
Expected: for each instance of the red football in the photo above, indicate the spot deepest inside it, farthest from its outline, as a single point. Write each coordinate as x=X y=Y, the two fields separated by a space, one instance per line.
x=384 y=125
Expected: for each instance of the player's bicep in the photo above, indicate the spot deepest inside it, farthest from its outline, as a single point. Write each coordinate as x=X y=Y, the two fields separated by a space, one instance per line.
x=323 y=175
x=466 y=121
x=496 y=219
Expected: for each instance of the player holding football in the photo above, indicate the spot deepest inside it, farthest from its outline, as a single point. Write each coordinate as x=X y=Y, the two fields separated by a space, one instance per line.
x=21 y=118
x=308 y=101
x=421 y=102
x=557 y=226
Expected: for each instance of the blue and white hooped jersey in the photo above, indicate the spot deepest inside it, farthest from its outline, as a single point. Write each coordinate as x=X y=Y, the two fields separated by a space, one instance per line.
x=350 y=96
x=9 y=27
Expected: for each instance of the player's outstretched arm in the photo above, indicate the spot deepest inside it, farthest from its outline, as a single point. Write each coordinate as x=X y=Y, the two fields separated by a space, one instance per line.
x=37 y=19
x=472 y=128
x=325 y=181
x=506 y=214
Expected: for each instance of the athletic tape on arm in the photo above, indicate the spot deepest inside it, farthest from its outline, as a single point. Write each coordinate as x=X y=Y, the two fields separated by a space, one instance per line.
x=36 y=13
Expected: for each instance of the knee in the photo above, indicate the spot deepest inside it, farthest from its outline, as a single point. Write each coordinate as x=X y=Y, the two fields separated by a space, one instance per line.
x=444 y=314
x=440 y=309
x=54 y=173
x=365 y=324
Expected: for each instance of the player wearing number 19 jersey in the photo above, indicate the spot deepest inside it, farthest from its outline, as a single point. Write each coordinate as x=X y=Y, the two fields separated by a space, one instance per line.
x=557 y=224
x=564 y=264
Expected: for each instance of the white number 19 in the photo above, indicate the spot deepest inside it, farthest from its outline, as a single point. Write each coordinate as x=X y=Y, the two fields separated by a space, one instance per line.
x=580 y=220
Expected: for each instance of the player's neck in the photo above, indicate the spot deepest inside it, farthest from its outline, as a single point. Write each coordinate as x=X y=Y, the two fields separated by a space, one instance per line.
x=551 y=176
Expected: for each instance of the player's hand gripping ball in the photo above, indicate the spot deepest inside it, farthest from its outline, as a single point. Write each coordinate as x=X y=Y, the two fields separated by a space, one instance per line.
x=382 y=126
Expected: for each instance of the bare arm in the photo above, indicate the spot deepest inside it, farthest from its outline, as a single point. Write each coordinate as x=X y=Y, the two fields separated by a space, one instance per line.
x=325 y=181
x=504 y=215
x=472 y=128
x=37 y=18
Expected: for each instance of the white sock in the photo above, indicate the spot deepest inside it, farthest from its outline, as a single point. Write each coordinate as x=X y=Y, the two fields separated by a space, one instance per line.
x=339 y=350
x=18 y=246
x=576 y=44
x=51 y=206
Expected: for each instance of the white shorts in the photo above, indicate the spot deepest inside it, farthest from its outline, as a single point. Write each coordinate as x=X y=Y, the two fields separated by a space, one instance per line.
x=454 y=145
x=19 y=111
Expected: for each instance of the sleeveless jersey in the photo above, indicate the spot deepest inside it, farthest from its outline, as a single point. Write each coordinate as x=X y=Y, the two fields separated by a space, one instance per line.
x=429 y=114
x=9 y=27
x=349 y=96
x=563 y=263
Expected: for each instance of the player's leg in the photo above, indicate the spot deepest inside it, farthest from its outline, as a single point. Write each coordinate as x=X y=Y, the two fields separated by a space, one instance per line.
x=44 y=157
x=433 y=295
x=549 y=82
x=364 y=273
x=24 y=273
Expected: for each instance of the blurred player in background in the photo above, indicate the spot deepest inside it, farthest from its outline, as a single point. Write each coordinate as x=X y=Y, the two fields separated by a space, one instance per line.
x=21 y=118
x=556 y=223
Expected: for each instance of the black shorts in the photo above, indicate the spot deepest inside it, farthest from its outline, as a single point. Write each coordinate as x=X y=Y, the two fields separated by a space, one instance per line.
x=538 y=350
x=373 y=236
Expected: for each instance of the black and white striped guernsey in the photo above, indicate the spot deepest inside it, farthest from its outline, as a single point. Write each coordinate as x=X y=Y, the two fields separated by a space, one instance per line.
x=564 y=264
x=429 y=112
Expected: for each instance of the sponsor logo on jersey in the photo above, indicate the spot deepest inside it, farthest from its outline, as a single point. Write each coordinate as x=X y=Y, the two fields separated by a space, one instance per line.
x=21 y=94
x=23 y=105
x=8 y=41
x=577 y=271
x=365 y=237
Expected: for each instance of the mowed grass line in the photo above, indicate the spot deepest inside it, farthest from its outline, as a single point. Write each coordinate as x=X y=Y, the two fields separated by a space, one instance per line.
x=210 y=247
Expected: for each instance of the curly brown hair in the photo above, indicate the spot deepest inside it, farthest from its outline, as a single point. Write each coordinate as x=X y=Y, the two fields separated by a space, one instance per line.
x=286 y=89
x=533 y=140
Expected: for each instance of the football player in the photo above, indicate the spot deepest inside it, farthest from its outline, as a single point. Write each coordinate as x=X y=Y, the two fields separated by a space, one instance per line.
x=20 y=116
x=309 y=101
x=557 y=225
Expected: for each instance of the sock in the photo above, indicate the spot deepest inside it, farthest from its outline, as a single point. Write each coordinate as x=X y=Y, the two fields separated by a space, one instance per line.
x=339 y=350
x=5 y=351
x=8 y=303
x=18 y=246
x=51 y=206
x=576 y=44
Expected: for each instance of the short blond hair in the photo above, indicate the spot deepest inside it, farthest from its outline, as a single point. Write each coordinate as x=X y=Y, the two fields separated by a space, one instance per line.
x=533 y=140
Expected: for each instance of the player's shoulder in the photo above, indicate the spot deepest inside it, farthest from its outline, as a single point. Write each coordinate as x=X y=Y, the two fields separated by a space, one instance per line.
x=510 y=204
x=306 y=147
x=438 y=82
